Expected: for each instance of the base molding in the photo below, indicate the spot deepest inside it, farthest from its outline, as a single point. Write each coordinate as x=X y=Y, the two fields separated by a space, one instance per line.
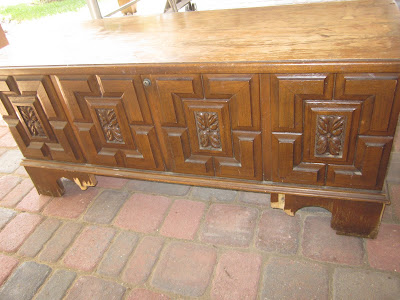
x=354 y=212
x=355 y=218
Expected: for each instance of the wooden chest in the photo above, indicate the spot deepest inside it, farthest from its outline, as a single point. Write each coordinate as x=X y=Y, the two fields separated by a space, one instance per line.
x=298 y=101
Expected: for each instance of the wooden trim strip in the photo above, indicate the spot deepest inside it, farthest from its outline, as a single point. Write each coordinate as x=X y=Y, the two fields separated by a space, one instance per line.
x=223 y=67
x=226 y=183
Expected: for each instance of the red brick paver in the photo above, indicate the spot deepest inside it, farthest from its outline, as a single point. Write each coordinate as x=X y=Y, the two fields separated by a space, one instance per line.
x=72 y=204
x=118 y=254
x=183 y=219
x=287 y=279
x=8 y=141
x=7 y=183
x=111 y=182
x=229 y=225
x=17 y=230
x=351 y=283
x=88 y=248
x=5 y=216
x=278 y=232
x=384 y=251
x=322 y=243
x=89 y=287
x=141 y=263
x=33 y=201
x=7 y=264
x=142 y=294
x=59 y=242
x=143 y=213
x=3 y=131
x=17 y=193
x=255 y=198
x=39 y=237
x=237 y=276
x=394 y=190
x=185 y=269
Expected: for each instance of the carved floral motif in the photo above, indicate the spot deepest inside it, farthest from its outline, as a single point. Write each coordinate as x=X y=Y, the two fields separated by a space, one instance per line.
x=208 y=130
x=329 y=137
x=31 y=121
x=109 y=123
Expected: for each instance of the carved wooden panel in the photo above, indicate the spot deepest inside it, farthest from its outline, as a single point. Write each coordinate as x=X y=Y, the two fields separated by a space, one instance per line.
x=216 y=133
x=288 y=96
x=369 y=168
x=31 y=107
x=208 y=131
x=378 y=93
x=330 y=130
x=113 y=120
x=336 y=138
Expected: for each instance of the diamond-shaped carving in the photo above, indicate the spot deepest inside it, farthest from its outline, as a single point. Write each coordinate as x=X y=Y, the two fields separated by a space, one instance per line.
x=109 y=123
x=31 y=121
x=113 y=120
x=215 y=132
x=334 y=139
x=208 y=130
x=329 y=135
x=32 y=109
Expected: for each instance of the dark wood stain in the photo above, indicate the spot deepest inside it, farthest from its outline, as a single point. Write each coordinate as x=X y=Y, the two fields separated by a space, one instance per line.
x=272 y=100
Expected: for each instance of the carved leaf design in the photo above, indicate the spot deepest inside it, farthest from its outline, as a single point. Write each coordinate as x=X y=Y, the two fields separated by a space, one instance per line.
x=335 y=145
x=337 y=125
x=215 y=140
x=31 y=121
x=201 y=120
x=329 y=135
x=322 y=144
x=213 y=121
x=204 y=140
x=323 y=125
x=109 y=123
x=208 y=130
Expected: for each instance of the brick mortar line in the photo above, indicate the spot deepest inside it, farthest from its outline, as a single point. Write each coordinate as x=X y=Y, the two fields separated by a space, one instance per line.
x=331 y=284
x=219 y=253
x=130 y=194
x=44 y=283
x=220 y=249
x=122 y=272
x=264 y=263
x=80 y=217
x=223 y=248
x=253 y=242
x=166 y=213
x=150 y=278
x=103 y=255
x=61 y=258
x=24 y=194
x=302 y=218
x=12 y=218
x=197 y=236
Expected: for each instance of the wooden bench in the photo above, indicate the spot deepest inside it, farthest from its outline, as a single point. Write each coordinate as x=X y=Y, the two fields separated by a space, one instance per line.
x=298 y=101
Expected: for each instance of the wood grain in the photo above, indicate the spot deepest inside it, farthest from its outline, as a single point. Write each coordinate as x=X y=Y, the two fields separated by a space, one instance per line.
x=351 y=30
x=300 y=101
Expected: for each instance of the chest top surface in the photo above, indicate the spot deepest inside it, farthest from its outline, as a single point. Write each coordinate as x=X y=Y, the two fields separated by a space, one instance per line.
x=330 y=31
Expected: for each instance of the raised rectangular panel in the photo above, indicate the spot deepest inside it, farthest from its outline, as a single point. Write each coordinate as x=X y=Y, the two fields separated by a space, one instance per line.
x=113 y=120
x=330 y=131
x=339 y=123
x=37 y=121
x=288 y=165
x=287 y=96
x=215 y=134
x=378 y=93
x=369 y=168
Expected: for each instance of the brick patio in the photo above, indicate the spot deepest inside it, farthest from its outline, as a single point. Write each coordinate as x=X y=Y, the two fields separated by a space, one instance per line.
x=129 y=239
